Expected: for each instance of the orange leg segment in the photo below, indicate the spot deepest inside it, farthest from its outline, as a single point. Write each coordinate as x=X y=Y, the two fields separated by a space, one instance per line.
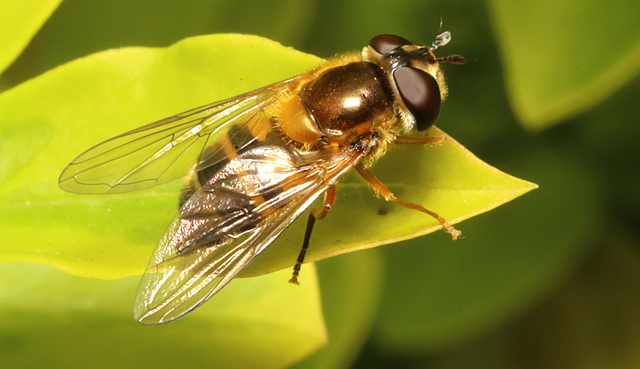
x=389 y=196
x=315 y=213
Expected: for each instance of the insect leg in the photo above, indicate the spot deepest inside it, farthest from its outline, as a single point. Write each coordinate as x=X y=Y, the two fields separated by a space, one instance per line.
x=389 y=196
x=404 y=140
x=315 y=213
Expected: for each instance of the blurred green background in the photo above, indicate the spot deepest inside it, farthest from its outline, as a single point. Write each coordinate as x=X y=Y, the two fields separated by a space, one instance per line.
x=550 y=94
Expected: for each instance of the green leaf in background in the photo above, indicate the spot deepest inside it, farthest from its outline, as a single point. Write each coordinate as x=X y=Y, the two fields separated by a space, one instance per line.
x=19 y=21
x=49 y=120
x=509 y=259
x=563 y=57
x=54 y=320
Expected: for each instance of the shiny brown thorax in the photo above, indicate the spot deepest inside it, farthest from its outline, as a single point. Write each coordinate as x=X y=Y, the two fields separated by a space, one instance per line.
x=339 y=106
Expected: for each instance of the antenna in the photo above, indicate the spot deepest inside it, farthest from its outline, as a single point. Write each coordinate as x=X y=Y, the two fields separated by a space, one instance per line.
x=453 y=59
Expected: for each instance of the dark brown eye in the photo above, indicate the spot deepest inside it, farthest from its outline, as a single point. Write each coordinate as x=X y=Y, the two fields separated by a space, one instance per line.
x=386 y=43
x=420 y=93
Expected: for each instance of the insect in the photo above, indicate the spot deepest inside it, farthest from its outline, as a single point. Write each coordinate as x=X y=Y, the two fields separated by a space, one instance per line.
x=256 y=161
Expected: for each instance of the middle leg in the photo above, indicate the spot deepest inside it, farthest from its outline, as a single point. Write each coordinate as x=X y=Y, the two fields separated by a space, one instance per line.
x=315 y=213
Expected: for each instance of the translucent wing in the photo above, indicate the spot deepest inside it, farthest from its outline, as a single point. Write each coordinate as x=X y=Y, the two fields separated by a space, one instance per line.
x=228 y=222
x=167 y=149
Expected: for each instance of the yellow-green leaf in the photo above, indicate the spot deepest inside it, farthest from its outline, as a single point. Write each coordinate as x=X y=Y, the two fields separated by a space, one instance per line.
x=48 y=121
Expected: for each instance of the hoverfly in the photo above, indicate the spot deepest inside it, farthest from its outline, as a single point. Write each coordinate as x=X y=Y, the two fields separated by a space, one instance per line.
x=256 y=161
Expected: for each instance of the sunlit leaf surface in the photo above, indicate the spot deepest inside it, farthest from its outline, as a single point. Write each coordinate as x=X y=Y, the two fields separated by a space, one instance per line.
x=49 y=120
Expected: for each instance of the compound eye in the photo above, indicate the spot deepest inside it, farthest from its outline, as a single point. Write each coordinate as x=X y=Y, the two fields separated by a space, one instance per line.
x=420 y=93
x=386 y=43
